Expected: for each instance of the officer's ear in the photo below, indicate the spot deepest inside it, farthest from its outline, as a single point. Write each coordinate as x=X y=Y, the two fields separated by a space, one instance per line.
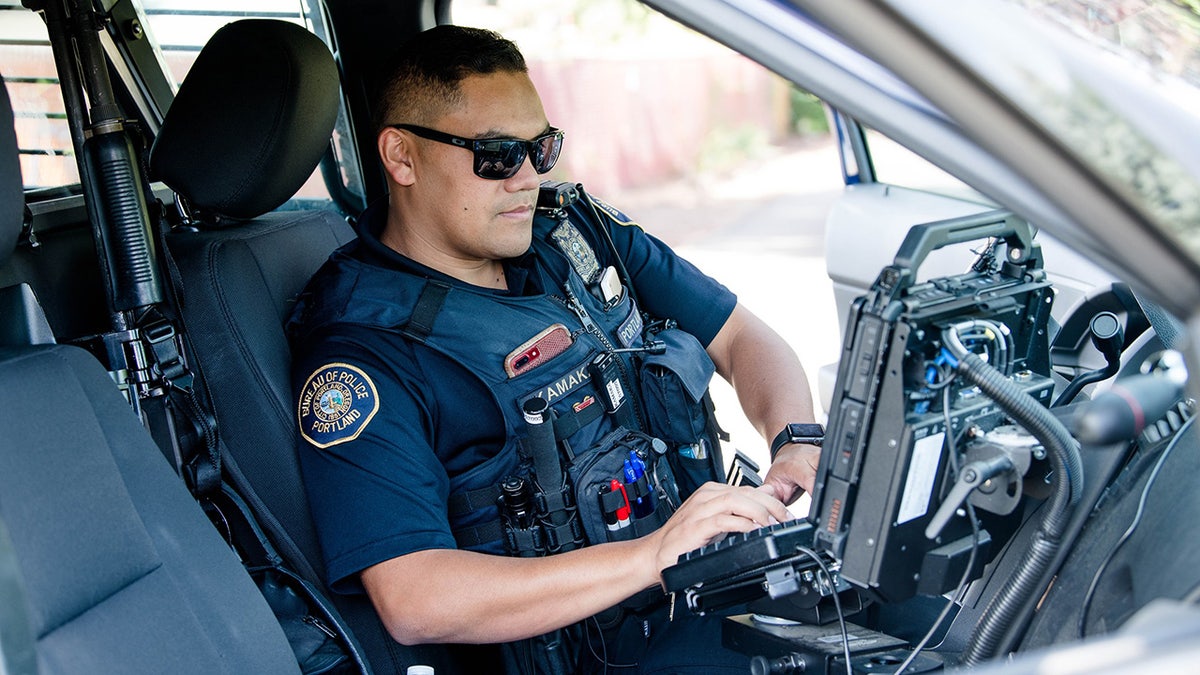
x=397 y=151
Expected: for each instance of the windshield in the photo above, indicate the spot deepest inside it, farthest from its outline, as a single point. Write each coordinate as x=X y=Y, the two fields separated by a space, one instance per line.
x=1117 y=83
x=1162 y=35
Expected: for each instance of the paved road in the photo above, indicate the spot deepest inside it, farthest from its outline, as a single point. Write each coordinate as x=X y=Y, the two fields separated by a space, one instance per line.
x=760 y=231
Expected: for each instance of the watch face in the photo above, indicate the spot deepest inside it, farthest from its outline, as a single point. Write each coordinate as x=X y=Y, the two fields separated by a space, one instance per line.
x=801 y=432
x=811 y=434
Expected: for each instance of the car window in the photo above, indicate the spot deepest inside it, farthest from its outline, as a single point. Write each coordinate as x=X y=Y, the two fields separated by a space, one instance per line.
x=47 y=157
x=1161 y=34
x=641 y=98
x=895 y=164
x=180 y=28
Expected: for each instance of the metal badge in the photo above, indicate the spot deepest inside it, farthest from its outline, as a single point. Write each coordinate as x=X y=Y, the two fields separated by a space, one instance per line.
x=578 y=251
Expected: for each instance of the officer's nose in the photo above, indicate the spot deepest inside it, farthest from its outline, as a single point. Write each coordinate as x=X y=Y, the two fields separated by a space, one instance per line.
x=526 y=177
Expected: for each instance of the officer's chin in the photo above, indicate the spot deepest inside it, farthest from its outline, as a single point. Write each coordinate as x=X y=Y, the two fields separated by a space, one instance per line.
x=516 y=245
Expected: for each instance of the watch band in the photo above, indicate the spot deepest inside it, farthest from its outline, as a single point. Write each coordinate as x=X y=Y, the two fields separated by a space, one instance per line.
x=809 y=434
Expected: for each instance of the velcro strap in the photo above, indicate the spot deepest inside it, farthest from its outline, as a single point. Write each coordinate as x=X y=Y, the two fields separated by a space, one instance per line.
x=554 y=501
x=611 y=501
x=569 y=423
x=476 y=535
x=566 y=535
x=429 y=305
x=639 y=488
x=462 y=503
x=525 y=543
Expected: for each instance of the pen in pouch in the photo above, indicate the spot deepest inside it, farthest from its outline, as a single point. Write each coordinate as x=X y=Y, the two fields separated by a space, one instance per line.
x=610 y=503
x=637 y=488
x=639 y=469
x=623 y=509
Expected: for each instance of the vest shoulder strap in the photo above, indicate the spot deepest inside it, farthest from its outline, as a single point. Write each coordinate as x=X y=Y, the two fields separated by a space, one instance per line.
x=425 y=312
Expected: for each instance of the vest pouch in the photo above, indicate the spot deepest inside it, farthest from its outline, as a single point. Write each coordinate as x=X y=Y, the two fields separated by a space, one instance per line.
x=668 y=500
x=559 y=520
x=679 y=410
x=593 y=475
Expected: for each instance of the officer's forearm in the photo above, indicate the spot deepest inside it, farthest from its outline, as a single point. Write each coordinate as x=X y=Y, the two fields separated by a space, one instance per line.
x=461 y=596
x=765 y=372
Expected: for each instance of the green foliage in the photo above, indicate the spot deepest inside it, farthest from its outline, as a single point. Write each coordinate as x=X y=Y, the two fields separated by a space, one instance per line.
x=1192 y=6
x=807 y=116
x=728 y=146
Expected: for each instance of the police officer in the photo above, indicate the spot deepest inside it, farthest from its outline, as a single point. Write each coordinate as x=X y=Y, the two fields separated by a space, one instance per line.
x=417 y=345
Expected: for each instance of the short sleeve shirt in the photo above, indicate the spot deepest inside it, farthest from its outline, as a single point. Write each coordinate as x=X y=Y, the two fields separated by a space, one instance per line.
x=384 y=493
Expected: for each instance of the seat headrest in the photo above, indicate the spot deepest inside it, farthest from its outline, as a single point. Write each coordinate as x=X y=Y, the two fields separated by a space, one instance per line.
x=12 y=189
x=251 y=119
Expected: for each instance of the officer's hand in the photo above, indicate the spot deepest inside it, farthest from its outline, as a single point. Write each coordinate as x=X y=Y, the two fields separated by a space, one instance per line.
x=793 y=471
x=711 y=511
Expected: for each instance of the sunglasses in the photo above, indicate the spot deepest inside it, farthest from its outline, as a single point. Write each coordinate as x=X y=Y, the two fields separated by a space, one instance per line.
x=499 y=158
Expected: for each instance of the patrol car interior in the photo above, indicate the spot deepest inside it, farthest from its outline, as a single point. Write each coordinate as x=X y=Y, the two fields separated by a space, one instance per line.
x=1006 y=468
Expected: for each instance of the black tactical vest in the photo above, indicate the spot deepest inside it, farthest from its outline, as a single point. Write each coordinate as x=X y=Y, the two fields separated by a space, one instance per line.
x=615 y=382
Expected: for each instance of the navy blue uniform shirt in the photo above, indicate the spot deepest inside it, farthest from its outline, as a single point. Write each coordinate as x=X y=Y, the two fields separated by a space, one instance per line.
x=384 y=493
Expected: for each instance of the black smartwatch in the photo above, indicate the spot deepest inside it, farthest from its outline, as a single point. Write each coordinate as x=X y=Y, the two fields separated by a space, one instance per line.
x=808 y=434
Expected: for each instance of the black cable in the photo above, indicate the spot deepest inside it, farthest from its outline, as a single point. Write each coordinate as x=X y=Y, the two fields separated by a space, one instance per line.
x=979 y=335
x=587 y=634
x=945 y=377
x=997 y=340
x=1005 y=608
x=1083 y=379
x=951 y=446
x=985 y=263
x=1137 y=519
x=837 y=603
x=603 y=659
x=612 y=246
x=959 y=592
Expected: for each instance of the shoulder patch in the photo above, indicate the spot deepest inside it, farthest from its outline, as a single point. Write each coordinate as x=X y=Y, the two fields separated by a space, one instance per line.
x=614 y=214
x=336 y=403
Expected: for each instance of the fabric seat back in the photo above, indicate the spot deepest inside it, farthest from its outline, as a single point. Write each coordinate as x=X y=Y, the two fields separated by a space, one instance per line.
x=237 y=143
x=121 y=571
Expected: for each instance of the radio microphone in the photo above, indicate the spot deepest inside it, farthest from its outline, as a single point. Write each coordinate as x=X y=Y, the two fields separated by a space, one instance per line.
x=651 y=347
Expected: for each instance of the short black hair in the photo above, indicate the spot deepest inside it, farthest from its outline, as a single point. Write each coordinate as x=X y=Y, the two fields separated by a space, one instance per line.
x=424 y=75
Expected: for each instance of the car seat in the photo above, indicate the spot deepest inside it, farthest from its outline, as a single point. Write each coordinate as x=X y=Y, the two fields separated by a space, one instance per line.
x=248 y=126
x=120 y=570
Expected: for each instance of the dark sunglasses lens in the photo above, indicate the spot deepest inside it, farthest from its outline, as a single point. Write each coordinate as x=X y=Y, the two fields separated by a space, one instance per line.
x=545 y=151
x=500 y=159
x=497 y=160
